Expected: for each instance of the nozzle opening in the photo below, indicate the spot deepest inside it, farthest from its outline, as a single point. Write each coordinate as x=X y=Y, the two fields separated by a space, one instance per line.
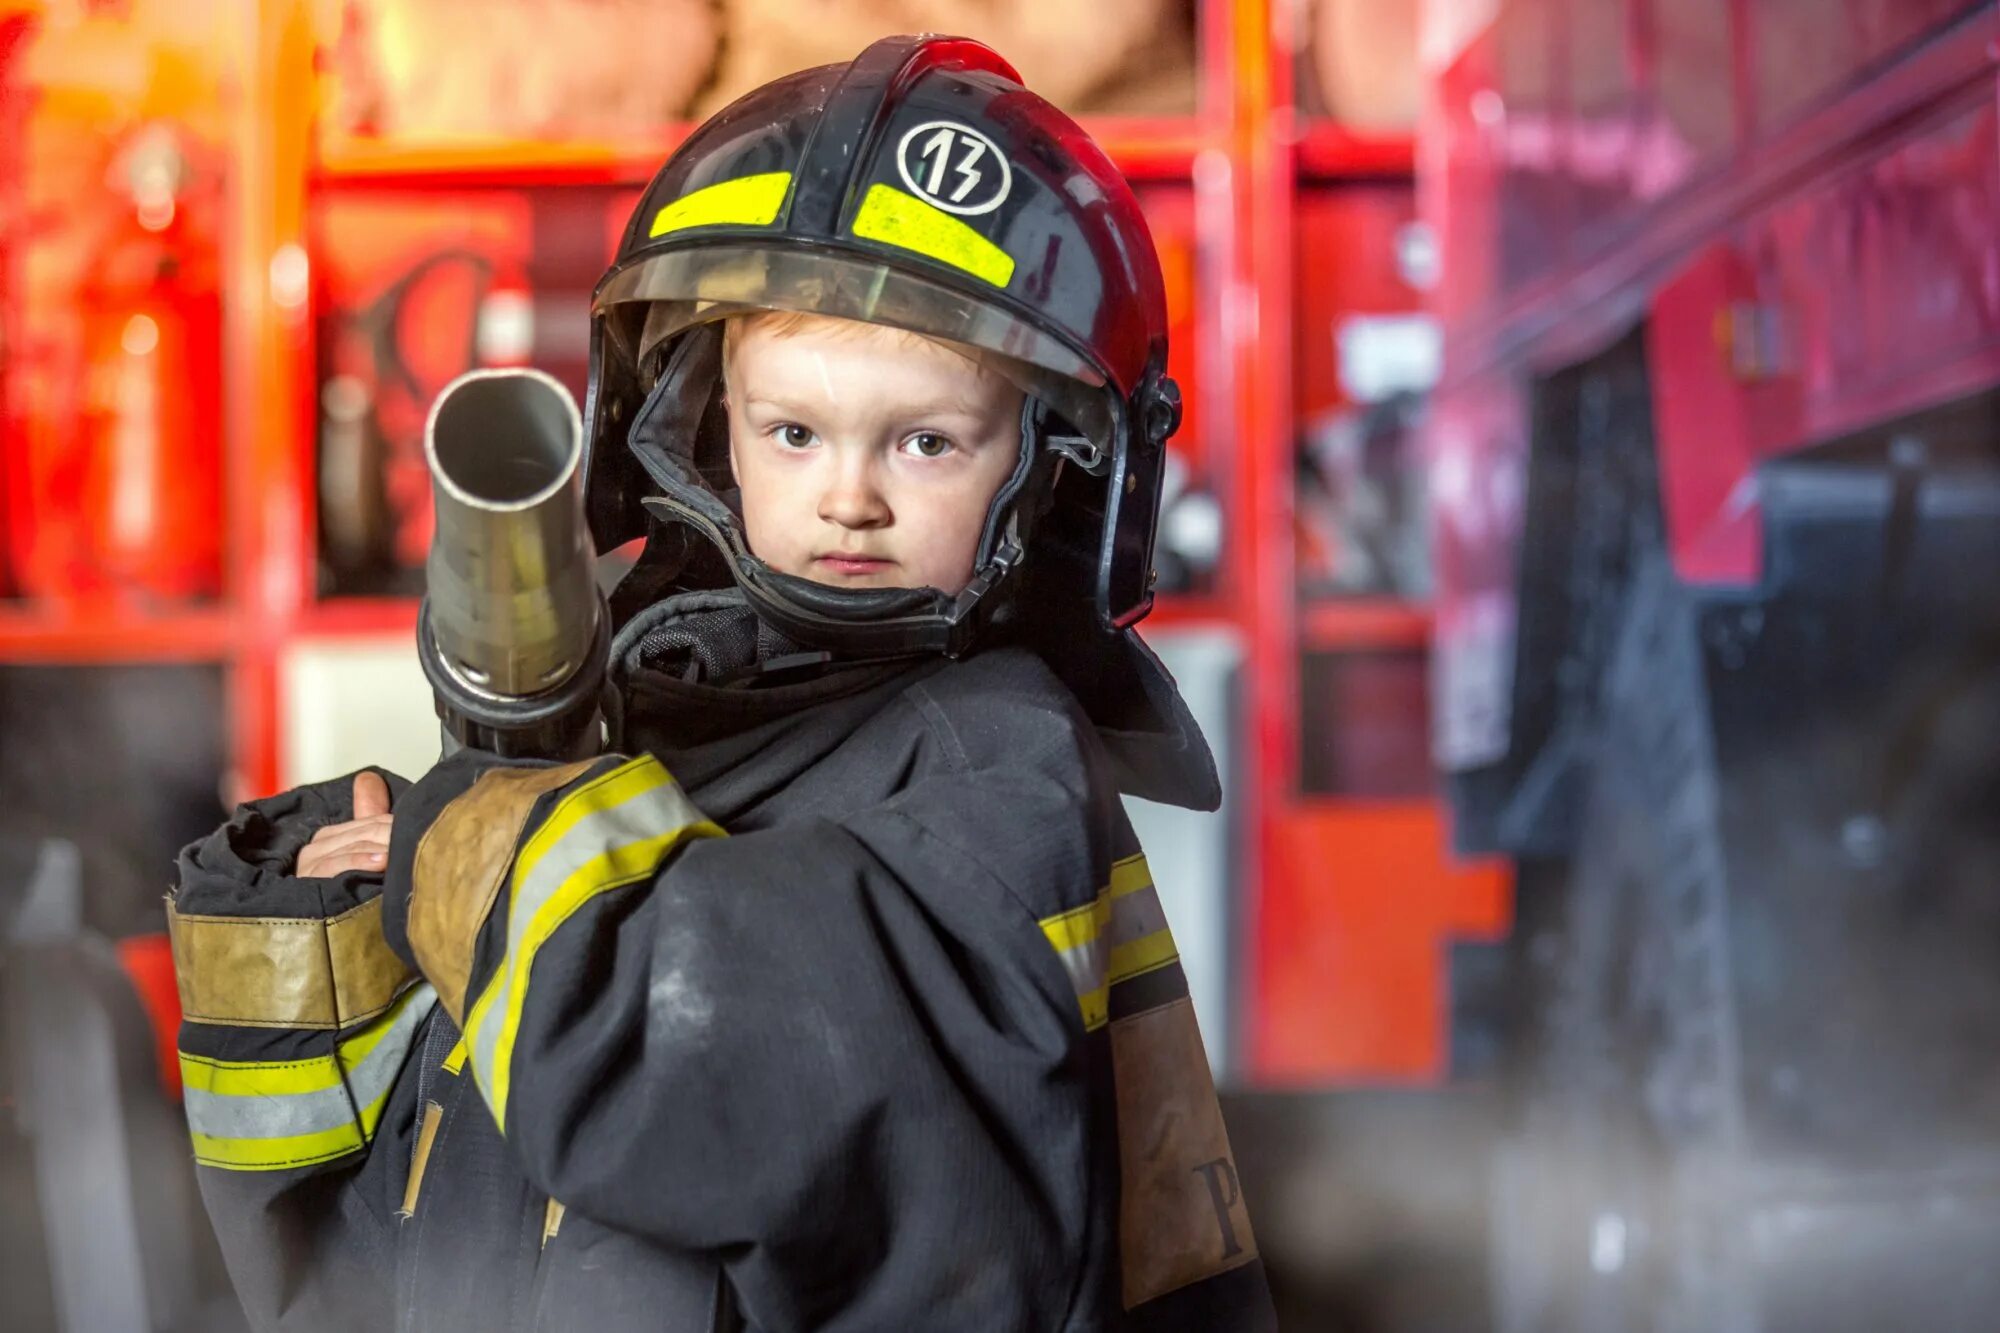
x=505 y=439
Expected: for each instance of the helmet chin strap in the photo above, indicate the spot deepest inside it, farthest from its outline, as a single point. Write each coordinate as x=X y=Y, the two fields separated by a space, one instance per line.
x=851 y=624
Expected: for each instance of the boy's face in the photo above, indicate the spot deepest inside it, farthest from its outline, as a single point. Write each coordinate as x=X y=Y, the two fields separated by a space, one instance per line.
x=867 y=456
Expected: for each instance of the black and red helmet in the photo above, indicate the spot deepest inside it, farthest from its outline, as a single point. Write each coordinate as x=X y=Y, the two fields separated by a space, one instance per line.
x=919 y=186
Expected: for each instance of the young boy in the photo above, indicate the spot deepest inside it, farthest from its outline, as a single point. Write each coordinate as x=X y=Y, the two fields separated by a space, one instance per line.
x=836 y=994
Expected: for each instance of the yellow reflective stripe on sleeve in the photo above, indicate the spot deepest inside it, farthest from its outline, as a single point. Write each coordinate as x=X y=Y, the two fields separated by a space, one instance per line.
x=1120 y=935
x=1078 y=926
x=462 y=863
x=612 y=831
x=1077 y=937
x=1138 y=933
x=1142 y=955
x=248 y=1115
x=247 y=1078
x=1130 y=876
x=895 y=218
x=288 y=1078
x=614 y=787
x=454 y=1060
x=748 y=201
x=616 y=868
x=1096 y=1007
x=288 y=1151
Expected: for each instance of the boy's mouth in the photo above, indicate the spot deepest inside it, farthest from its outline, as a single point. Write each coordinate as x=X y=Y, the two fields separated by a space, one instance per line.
x=842 y=562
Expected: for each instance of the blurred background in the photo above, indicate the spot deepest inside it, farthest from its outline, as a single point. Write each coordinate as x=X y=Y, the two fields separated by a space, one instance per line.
x=1583 y=549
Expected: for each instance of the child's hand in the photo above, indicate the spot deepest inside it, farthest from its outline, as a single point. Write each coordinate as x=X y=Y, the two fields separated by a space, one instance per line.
x=360 y=844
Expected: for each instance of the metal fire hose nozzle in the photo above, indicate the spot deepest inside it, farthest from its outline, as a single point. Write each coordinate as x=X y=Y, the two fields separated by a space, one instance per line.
x=513 y=633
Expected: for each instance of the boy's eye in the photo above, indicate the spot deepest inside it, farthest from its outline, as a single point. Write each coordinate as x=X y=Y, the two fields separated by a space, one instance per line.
x=794 y=436
x=928 y=444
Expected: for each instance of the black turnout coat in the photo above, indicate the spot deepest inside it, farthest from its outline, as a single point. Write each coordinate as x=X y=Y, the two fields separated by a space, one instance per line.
x=842 y=1005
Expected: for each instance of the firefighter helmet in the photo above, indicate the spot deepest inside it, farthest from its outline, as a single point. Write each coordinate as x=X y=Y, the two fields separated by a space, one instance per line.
x=918 y=186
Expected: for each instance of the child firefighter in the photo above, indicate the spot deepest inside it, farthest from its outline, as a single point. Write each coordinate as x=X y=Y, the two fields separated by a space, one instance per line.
x=835 y=994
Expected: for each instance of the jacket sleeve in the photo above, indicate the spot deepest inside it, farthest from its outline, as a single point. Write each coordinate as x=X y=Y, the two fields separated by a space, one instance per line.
x=838 y=1054
x=296 y=1021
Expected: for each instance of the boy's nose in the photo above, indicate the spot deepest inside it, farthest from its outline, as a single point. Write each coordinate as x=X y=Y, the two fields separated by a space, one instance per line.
x=852 y=498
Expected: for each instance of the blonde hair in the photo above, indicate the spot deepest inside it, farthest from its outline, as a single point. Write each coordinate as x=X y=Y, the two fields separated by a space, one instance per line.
x=786 y=323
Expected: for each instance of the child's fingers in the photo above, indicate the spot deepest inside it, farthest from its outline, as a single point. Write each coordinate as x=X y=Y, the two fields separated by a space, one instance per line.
x=371 y=795
x=338 y=843
x=336 y=836
x=340 y=862
x=370 y=853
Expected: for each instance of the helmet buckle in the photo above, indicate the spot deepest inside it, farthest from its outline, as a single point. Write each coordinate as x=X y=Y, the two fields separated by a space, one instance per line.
x=1080 y=450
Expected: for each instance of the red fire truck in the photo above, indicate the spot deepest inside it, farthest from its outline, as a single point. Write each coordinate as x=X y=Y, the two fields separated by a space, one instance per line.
x=1716 y=475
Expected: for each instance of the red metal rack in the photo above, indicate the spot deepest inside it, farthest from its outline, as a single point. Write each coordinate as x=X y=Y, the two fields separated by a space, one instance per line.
x=38 y=635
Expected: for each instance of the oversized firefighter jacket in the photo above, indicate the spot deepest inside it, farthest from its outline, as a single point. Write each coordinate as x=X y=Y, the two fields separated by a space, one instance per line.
x=847 y=1005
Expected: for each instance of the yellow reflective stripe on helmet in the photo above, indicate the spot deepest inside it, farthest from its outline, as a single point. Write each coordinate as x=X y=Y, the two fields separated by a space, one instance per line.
x=1119 y=935
x=748 y=201
x=250 y=1115
x=612 y=831
x=895 y=218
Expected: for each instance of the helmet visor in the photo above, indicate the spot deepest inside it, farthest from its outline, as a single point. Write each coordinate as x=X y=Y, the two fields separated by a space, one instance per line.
x=671 y=292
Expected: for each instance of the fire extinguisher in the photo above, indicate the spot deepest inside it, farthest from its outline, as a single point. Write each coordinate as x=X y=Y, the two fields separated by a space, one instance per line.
x=151 y=406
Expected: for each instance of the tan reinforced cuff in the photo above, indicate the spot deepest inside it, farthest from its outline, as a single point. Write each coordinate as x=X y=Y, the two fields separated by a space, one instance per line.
x=285 y=972
x=461 y=861
x=1182 y=1217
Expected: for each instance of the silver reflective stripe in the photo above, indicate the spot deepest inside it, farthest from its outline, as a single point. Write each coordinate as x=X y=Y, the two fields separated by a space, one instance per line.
x=267 y=1117
x=284 y=1115
x=1086 y=964
x=648 y=814
x=1135 y=916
